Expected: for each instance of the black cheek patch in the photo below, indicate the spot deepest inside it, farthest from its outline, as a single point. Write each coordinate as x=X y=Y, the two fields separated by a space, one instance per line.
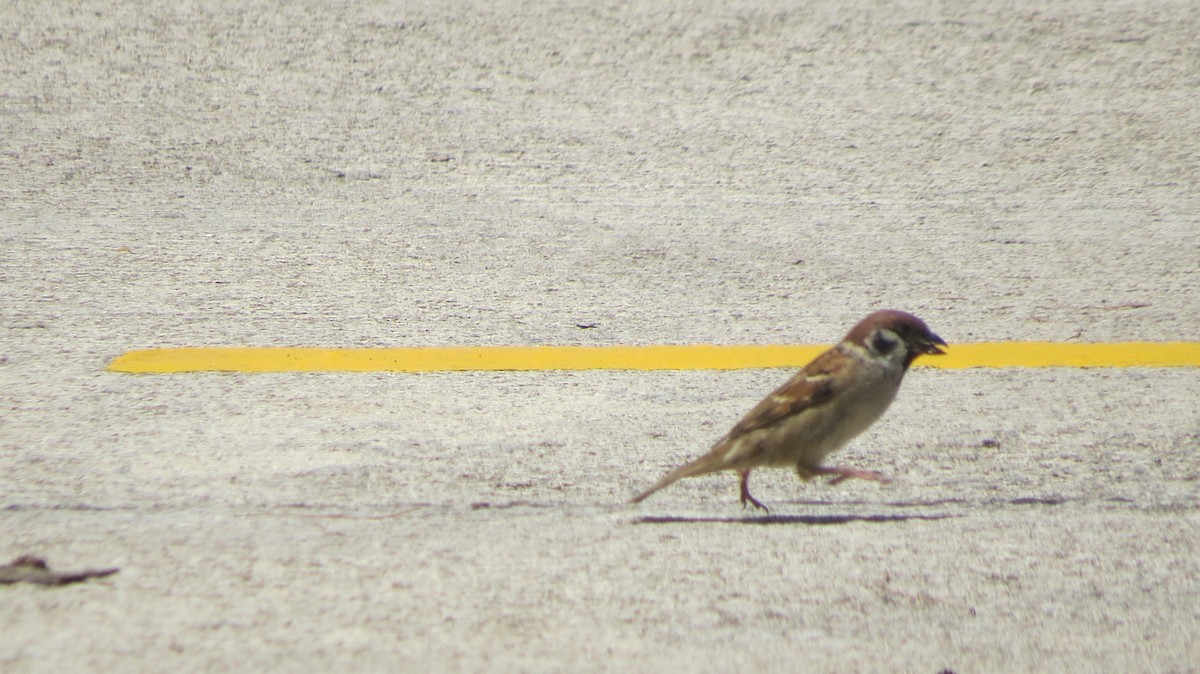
x=883 y=344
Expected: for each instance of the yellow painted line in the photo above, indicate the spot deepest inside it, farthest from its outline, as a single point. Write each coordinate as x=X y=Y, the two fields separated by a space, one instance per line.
x=675 y=357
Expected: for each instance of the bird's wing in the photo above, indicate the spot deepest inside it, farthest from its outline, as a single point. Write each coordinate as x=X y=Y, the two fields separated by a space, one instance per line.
x=811 y=387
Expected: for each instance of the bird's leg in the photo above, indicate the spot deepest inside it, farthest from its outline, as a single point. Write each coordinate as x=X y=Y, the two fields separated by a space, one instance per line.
x=746 y=497
x=842 y=473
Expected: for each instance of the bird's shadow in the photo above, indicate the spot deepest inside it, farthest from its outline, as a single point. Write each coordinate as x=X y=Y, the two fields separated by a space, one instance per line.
x=814 y=520
x=811 y=520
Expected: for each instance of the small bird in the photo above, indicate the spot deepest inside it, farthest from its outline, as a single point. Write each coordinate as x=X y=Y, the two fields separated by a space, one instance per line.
x=829 y=401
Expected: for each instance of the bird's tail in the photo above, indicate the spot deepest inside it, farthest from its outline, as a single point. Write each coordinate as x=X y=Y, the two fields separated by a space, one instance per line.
x=700 y=466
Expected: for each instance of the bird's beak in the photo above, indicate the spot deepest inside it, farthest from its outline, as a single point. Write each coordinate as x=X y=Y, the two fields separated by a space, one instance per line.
x=931 y=345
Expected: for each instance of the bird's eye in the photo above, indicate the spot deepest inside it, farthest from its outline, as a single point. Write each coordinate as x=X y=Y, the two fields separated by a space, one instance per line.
x=882 y=343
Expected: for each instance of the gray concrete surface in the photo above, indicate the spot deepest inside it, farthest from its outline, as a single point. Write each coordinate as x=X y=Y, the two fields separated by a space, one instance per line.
x=360 y=174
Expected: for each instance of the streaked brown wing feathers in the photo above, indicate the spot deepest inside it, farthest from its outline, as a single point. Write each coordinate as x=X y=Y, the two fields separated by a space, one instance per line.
x=810 y=387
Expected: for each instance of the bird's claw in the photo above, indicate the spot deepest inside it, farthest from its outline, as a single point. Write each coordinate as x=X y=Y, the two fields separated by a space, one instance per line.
x=747 y=498
x=842 y=474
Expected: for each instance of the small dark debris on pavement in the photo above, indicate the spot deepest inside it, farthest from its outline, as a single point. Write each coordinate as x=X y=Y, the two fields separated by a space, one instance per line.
x=31 y=569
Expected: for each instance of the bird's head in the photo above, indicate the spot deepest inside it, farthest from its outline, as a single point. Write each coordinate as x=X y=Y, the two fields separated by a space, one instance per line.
x=895 y=336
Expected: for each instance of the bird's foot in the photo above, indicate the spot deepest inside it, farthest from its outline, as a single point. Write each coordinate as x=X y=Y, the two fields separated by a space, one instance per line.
x=841 y=474
x=745 y=495
x=747 y=498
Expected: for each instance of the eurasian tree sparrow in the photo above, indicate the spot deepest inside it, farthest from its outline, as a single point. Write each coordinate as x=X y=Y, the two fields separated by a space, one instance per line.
x=829 y=401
